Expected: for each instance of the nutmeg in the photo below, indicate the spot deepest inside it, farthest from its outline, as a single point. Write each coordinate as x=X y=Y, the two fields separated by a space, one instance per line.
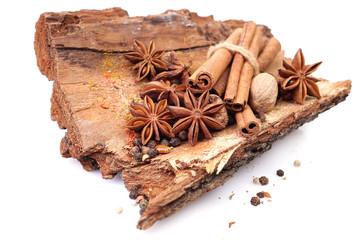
x=263 y=92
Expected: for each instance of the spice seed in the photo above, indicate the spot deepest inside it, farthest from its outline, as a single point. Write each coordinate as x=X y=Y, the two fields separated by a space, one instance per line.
x=119 y=210
x=145 y=150
x=231 y=223
x=137 y=142
x=152 y=152
x=162 y=149
x=266 y=194
x=255 y=201
x=145 y=157
x=134 y=150
x=231 y=196
x=138 y=157
x=174 y=142
x=260 y=194
x=152 y=144
x=183 y=135
x=264 y=180
x=165 y=142
x=297 y=163
x=280 y=173
x=256 y=180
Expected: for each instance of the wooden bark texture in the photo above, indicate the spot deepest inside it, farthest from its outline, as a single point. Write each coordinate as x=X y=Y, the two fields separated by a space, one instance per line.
x=83 y=53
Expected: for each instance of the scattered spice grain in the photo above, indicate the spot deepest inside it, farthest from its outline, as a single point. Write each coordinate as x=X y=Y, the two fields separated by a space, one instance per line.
x=165 y=142
x=174 y=142
x=280 y=173
x=152 y=144
x=256 y=180
x=143 y=203
x=231 y=196
x=231 y=223
x=145 y=157
x=145 y=150
x=152 y=152
x=260 y=194
x=138 y=157
x=138 y=199
x=297 y=163
x=137 y=142
x=133 y=194
x=263 y=180
x=119 y=210
x=266 y=194
x=162 y=149
x=134 y=150
x=183 y=135
x=255 y=201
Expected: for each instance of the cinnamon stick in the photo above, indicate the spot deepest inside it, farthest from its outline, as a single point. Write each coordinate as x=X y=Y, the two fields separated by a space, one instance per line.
x=268 y=54
x=245 y=40
x=220 y=85
x=246 y=122
x=246 y=75
x=205 y=77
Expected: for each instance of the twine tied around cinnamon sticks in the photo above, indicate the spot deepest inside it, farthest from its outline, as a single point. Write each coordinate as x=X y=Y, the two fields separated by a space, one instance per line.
x=239 y=49
x=229 y=69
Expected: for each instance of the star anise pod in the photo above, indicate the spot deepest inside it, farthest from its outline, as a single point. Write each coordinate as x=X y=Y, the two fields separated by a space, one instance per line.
x=196 y=115
x=151 y=119
x=147 y=60
x=297 y=80
x=177 y=70
x=158 y=90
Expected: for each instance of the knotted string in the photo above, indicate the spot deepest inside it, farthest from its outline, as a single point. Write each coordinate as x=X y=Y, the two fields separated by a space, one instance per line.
x=239 y=49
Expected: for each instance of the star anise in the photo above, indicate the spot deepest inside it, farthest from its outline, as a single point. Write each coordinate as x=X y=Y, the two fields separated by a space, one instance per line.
x=158 y=90
x=177 y=70
x=147 y=61
x=297 y=80
x=196 y=116
x=151 y=119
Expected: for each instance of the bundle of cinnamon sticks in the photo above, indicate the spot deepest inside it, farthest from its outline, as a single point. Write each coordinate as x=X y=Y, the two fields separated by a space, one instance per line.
x=228 y=72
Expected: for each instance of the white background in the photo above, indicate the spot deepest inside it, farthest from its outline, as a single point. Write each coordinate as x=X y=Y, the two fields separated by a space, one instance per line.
x=44 y=196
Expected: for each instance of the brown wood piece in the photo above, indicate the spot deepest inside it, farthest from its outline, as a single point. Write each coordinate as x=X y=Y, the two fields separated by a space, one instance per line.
x=94 y=84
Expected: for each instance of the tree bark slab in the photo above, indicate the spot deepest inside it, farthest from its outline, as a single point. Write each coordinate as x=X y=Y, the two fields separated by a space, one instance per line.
x=83 y=53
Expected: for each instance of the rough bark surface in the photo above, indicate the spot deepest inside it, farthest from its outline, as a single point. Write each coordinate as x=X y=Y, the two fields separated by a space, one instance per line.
x=94 y=84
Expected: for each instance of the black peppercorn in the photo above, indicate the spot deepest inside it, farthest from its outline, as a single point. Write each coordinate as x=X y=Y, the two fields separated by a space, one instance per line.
x=152 y=144
x=138 y=157
x=164 y=142
x=183 y=135
x=260 y=194
x=152 y=152
x=255 y=201
x=143 y=204
x=134 y=150
x=133 y=194
x=264 y=180
x=175 y=141
x=137 y=142
x=280 y=173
